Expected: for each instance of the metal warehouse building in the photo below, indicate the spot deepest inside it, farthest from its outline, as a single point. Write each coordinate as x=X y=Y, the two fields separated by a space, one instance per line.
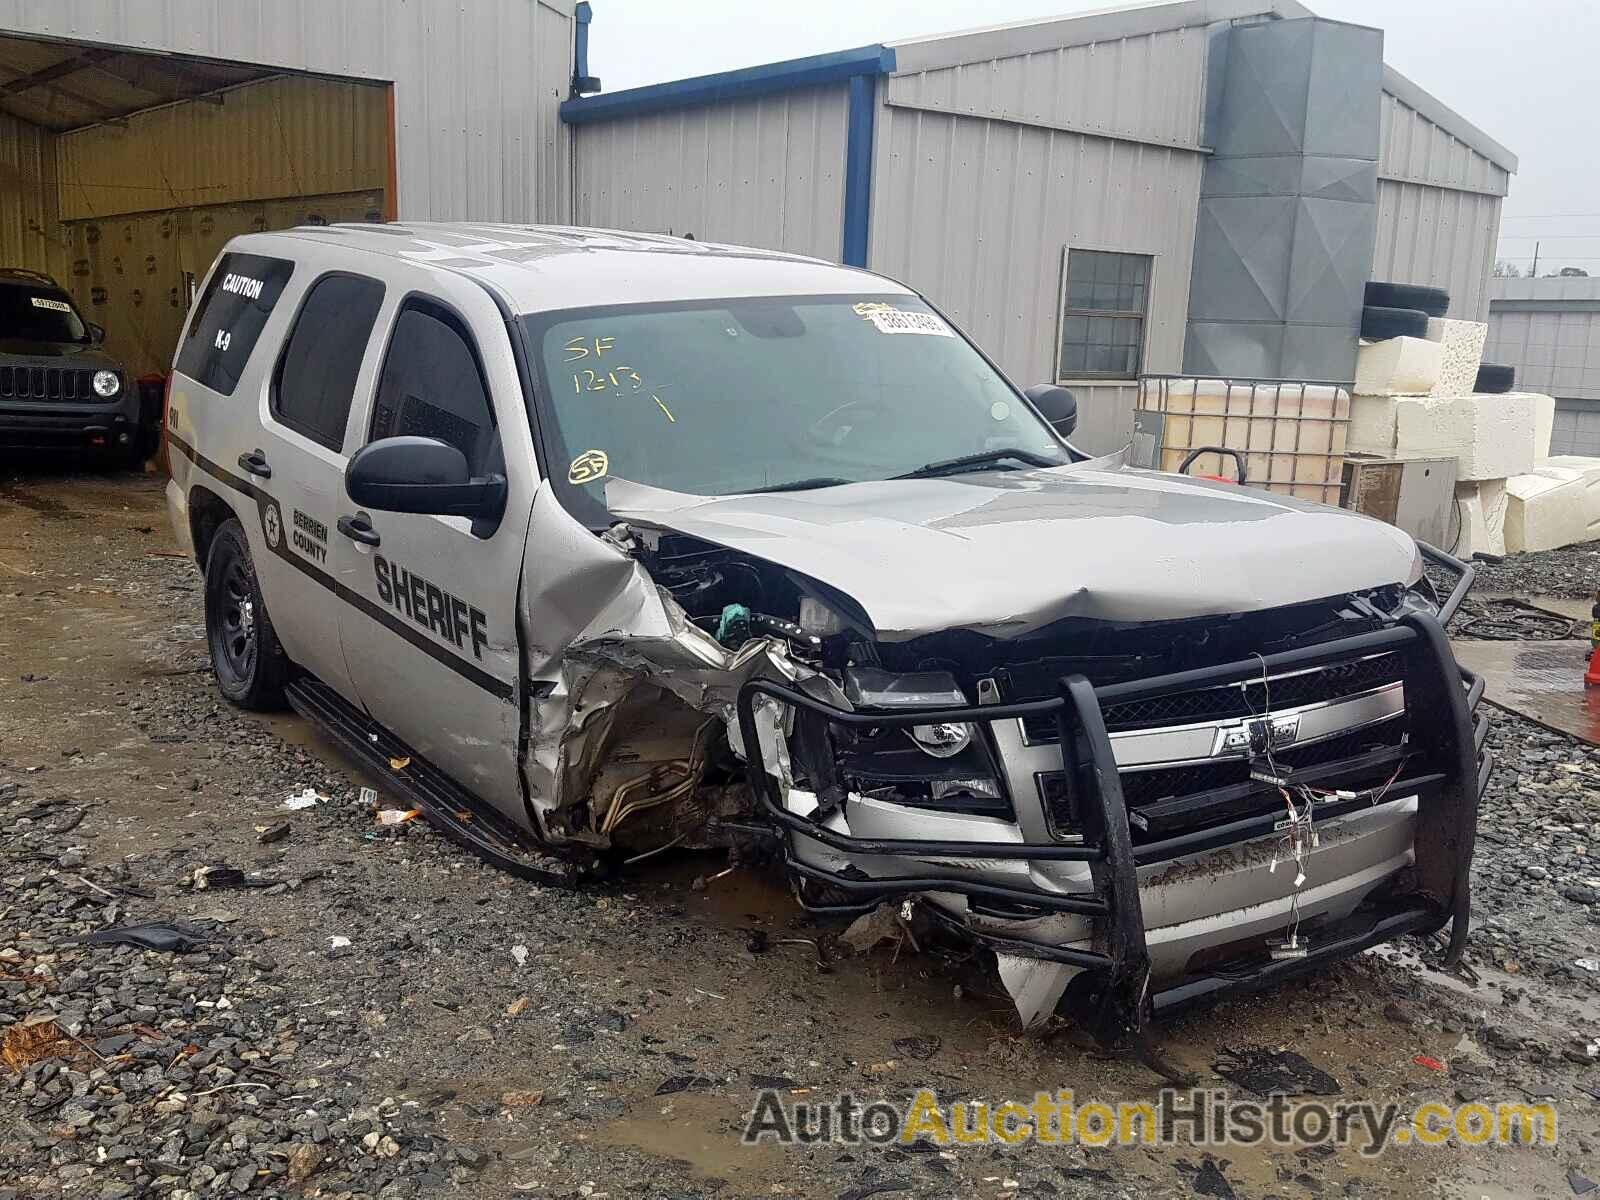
x=1201 y=186
x=1549 y=330
x=137 y=136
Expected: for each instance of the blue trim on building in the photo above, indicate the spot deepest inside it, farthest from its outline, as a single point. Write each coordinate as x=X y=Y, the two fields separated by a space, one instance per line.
x=582 y=81
x=731 y=85
x=860 y=68
x=858 y=169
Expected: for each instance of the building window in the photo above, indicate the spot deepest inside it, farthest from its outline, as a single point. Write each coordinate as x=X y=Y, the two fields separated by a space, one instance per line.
x=1104 y=298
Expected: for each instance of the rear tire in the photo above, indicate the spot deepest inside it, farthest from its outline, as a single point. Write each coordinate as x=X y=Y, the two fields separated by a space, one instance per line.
x=1379 y=324
x=1495 y=380
x=246 y=656
x=1431 y=300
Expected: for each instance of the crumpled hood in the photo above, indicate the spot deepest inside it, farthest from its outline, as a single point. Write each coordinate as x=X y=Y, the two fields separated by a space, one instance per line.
x=1006 y=552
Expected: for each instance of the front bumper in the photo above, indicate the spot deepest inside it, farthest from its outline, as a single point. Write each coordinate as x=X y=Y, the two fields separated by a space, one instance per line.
x=68 y=426
x=1143 y=923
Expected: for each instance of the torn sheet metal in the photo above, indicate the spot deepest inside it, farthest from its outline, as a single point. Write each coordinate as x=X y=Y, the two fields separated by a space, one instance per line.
x=1101 y=540
x=598 y=631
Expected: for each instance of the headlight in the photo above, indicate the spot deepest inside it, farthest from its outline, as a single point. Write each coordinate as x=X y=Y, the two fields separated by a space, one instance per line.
x=107 y=384
x=867 y=687
x=944 y=740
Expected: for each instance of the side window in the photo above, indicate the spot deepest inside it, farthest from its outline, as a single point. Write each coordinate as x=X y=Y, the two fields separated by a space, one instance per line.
x=316 y=375
x=432 y=386
x=235 y=306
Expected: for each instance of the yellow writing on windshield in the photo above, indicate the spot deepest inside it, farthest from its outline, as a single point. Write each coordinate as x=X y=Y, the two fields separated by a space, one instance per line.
x=589 y=466
x=583 y=346
x=616 y=379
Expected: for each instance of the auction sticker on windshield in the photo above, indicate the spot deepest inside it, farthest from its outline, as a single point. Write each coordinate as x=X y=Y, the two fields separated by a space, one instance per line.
x=52 y=305
x=888 y=319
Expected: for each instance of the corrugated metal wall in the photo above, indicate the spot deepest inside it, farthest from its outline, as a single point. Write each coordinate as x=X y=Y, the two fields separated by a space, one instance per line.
x=29 y=236
x=477 y=82
x=767 y=171
x=975 y=209
x=290 y=136
x=1438 y=210
x=1149 y=88
x=1549 y=330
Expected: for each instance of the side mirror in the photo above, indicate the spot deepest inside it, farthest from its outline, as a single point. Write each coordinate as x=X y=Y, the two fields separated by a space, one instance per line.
x=1056 y=404
x=97 y=333
x=422 y=475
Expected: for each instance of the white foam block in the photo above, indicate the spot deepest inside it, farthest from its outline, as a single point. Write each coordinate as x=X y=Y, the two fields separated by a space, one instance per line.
x=1491 y=437
x=1546 y=509
x=1483 y=514
x=1461 y=351
x=1588 y=470
x=1544 y=423
x=1372 y=425
x=1398 y=367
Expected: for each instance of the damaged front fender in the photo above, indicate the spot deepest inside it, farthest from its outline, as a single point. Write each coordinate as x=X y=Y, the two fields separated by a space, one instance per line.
x=622 y=685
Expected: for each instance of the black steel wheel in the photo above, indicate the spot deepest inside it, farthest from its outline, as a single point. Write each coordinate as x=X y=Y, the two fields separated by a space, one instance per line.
x=250 y=665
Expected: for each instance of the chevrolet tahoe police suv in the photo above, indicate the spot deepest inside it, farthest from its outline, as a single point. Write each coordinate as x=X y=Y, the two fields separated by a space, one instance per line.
x=628 y=543
x=57 y=388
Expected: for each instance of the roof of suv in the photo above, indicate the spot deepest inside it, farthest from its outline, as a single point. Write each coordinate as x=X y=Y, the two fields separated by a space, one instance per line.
x=24 y=277
x=542 y=268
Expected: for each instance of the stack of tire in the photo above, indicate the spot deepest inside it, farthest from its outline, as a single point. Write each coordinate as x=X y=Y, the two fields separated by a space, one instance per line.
x=1394 y=310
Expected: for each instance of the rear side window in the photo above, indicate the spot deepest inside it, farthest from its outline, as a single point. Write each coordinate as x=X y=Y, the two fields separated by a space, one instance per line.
x=229 y=318
x=431 y=386
x=316 y=377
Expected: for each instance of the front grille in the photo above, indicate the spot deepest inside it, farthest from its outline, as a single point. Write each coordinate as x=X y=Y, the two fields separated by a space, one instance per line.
x=1140 y=788
x=1232 y=701
x=47 y=383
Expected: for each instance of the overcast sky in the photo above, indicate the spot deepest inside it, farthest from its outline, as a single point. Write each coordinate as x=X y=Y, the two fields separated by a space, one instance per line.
x=1524 y=73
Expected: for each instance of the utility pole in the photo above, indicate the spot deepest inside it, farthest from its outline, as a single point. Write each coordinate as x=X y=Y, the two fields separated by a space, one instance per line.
x=1534 y=274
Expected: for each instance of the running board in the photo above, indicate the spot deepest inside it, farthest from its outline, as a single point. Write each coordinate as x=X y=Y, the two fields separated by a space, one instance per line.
x=459 y=815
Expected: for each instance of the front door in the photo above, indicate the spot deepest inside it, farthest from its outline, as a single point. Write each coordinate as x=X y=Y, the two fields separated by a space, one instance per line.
x=431 y=635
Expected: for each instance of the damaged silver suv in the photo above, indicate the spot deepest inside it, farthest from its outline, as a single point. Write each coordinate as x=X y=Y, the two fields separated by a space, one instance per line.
x=630 y=543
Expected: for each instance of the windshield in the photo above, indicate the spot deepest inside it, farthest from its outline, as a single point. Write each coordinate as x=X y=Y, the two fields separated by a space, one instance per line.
x=38 y=314
x=717 y=397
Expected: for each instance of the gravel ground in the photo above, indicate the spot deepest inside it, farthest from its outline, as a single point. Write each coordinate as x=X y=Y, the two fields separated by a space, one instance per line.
x=1571 y=571
x=378 y=1015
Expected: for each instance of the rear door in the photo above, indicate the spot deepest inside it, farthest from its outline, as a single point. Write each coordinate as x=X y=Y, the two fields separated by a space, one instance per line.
x=431 y=634
x=297 y=461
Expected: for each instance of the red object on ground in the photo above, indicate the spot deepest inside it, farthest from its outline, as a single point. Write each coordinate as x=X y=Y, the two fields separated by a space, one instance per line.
x=1433 y=1064
x=1591 y=674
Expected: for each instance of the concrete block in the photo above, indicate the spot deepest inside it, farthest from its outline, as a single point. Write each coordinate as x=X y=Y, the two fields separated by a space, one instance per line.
x=1491 y=437
x=1461 y=351
x=1398 y=367
x=1546 y=509
x=1483 y=518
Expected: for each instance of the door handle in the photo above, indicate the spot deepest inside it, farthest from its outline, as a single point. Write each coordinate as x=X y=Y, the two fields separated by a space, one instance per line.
x=256 y=463
x=359 y=529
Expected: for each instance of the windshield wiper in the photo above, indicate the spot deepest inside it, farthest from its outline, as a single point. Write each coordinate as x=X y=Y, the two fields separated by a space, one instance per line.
x=984 y=458
x=803 y=485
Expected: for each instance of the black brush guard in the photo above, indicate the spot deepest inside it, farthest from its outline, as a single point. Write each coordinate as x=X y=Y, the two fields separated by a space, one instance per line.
x=1442 y=700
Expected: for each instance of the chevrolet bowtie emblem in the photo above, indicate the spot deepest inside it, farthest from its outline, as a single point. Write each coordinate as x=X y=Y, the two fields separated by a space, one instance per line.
x=1255 y=736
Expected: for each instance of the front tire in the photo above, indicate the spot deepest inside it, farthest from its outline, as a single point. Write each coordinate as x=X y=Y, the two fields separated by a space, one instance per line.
x=249 y=662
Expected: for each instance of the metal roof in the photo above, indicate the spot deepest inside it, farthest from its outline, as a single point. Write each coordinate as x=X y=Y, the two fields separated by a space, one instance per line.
x=983 y=45
x=541 y=268
x=65 y=85
x=1549 y=293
